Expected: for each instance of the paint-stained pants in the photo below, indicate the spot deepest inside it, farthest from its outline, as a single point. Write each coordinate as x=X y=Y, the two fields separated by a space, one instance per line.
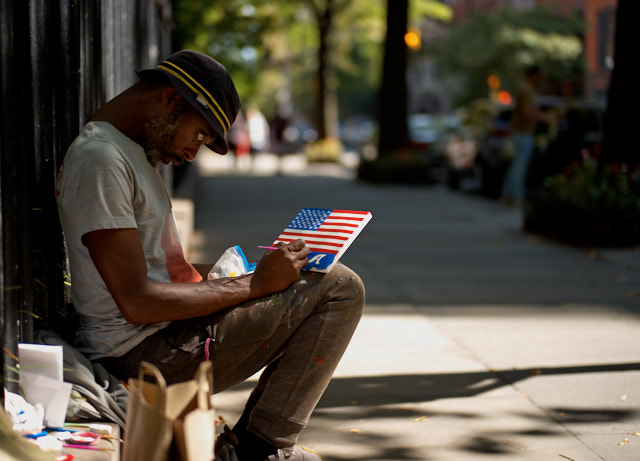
x=299 y=334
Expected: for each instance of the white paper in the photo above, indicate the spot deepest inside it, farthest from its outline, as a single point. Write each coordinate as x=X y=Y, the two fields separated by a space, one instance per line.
x=52 y=394
x=41 y=379
x=41 y=359
x=25 y=418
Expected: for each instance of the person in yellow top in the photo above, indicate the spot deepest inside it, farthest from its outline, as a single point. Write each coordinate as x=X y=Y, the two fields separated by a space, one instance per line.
x=525 y=117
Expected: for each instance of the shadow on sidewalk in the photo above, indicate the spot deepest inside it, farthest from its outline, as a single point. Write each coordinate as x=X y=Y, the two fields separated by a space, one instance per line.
x=375 y=391
x=389 y=403
x=395 y=398
x=384 y=390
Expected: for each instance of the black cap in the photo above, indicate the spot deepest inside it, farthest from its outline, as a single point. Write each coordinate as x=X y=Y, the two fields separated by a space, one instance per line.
x=207 y=86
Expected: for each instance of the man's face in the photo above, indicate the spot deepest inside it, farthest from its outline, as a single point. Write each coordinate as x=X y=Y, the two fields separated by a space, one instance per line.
x=177 y=136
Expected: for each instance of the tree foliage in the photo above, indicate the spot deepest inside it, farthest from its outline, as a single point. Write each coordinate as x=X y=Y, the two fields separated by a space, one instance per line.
x=271 y=47
x=503 y=43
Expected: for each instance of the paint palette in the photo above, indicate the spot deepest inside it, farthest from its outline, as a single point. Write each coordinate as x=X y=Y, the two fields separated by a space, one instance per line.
x=84 y=438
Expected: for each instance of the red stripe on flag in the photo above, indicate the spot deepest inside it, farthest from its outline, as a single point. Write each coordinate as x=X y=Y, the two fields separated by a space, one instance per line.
x=350 y=211
x=322 y=242
x=316 y=235
x=341 y=218
x=329 y=229
x=340 y=224
x=312 y=248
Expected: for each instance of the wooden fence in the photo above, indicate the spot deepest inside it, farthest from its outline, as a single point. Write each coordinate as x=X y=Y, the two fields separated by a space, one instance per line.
x=59 y=61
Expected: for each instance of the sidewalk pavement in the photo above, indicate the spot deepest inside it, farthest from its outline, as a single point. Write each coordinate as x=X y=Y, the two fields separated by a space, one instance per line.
x=478 y=341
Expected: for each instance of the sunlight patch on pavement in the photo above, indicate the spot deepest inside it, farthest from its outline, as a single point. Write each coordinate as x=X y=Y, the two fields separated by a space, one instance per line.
x=268 y=164
x=401 y=344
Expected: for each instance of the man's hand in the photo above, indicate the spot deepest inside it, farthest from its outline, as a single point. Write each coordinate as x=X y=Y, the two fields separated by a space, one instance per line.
x=278 y=269
x=120 y=260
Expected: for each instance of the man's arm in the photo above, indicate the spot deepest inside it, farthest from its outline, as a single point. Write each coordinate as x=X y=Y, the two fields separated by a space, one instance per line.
x=119 y=258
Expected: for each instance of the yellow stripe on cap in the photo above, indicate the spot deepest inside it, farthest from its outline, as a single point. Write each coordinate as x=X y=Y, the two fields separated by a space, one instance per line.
x=199 y=93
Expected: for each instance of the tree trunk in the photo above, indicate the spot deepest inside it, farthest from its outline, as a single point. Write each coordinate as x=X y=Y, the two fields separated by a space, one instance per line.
x=620 y=142
x=392 y=102
x=327 y=98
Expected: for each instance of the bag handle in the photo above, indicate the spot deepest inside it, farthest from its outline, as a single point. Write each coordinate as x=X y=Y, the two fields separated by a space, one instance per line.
x=204 y=378
x=148 y=369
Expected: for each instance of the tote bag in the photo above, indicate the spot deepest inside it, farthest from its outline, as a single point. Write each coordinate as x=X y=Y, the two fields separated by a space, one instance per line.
x=175 y=423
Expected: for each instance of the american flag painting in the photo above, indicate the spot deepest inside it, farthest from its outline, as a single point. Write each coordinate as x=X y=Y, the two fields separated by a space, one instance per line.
x=328 y=233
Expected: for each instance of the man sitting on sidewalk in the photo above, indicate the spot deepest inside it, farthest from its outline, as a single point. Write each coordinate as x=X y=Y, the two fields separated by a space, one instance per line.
x=139 y=299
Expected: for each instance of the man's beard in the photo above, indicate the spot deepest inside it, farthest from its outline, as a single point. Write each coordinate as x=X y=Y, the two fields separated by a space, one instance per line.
x=159 y=132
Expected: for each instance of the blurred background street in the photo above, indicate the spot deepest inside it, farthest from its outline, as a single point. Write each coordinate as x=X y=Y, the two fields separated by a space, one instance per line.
x=479 y=341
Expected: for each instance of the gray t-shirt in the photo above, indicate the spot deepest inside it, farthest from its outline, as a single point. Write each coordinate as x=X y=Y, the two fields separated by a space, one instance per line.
x=106 y=182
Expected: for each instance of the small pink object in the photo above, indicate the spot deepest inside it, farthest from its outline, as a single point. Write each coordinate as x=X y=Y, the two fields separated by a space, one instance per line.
x=206 y=349
x=84 y=438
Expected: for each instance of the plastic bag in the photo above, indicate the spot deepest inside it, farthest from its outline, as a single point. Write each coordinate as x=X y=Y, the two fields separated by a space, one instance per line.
x=232 y=263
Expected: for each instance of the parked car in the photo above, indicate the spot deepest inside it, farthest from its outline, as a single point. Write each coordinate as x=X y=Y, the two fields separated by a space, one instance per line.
x=358 y=131
x=495 y=152
x=423 y=130
x=439 y=137
x=296 y=134
x=459 y=150
x=461 y=145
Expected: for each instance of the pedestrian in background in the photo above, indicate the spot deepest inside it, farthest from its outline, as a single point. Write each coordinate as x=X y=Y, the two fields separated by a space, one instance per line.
x=523 y=123
x=259 y=132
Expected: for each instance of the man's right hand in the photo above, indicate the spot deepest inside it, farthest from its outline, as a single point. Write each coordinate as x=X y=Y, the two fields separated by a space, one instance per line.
x=278 y=269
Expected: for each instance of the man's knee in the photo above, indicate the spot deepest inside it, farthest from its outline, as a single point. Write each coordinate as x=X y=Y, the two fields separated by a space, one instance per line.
x=348 y=286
